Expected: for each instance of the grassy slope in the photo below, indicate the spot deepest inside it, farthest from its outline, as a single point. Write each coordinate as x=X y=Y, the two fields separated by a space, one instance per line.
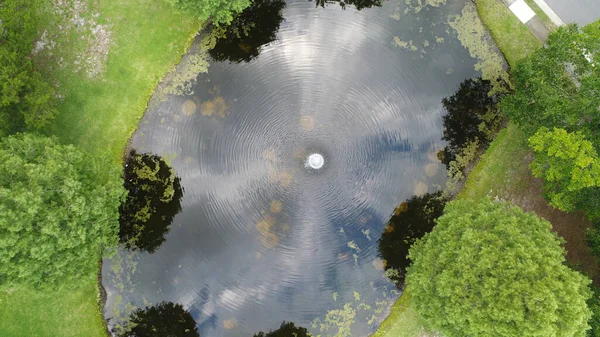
x=497 y=167
x=148 y=39
x=402 y=321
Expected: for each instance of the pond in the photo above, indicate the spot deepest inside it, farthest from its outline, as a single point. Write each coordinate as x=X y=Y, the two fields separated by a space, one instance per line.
x=260 y=238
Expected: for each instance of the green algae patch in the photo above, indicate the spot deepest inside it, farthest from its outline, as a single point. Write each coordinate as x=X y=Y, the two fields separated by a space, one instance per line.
x=474 y=37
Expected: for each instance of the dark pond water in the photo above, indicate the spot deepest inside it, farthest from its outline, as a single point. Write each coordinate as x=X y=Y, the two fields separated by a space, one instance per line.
x=260 y=238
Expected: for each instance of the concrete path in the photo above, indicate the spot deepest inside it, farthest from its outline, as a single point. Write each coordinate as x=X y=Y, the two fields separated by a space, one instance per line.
x=528 y=17
x=581 y=12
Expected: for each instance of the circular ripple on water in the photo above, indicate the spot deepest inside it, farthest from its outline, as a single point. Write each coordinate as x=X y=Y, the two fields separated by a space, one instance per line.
x=261 y=238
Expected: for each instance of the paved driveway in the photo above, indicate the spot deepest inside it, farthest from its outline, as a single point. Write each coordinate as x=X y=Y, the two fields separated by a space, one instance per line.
x=578 y=11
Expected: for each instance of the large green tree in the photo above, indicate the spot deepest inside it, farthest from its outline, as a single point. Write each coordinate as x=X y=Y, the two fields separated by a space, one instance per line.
x=26 y=99
x=217 y=11
x=558 y=86
x=489 y=269
x=58 y=211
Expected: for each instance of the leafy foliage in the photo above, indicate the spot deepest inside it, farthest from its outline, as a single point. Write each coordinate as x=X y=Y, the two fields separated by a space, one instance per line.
x=161 y=320
x=249 y=30
x=570 y=167
x=218 y=11
x=285 y=330
x=472 y=116
x=558 y=86
x=594 y=305
x=153 y=201
x=26 y=99
x=489 y=269
x=410 y=221
x=58 y=211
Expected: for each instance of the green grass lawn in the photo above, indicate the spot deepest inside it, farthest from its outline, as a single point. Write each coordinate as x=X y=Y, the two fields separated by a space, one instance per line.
x=497 y=170
x=29 y=313
x=500 y=170
x=402 y=321
x=147 y=39
x=512 y=37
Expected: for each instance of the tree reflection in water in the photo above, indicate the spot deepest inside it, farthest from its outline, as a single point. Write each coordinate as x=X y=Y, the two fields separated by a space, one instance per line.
x=471 y=115
x=256 y=26
x=288 y=329
x=411 y=220
x=359 y=4
x=153 y=201
x=161 y=320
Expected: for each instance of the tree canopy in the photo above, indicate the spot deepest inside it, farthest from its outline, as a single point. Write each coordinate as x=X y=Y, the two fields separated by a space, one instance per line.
x=216 y=11
x=410 y=221
x=153 y=200
x=489 y=269
x=254 y=27
x=557 y=86
x=165 y=319
x=58 y=210
x=570 y=167
x=26 y=99
x=288 y=329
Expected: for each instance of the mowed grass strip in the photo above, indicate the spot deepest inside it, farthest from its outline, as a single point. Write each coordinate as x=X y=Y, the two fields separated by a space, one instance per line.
x=147 y=39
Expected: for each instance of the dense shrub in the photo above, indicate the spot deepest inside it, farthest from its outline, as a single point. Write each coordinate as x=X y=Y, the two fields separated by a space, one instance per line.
x=489 y=269
x=27 y=100
x=594 y=305
x=58 y=211
x=218 y=11
x=558 y=86
x=570 y=167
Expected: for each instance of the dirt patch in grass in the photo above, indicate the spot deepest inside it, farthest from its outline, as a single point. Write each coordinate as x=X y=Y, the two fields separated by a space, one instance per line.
x=570 y=226
x=503 y=172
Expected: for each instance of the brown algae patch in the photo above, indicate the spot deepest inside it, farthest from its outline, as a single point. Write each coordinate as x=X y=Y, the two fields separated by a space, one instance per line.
x=475 y=38
x=270 y=155
x=229 y=324
x=432 y=153
x=216 y=107
x=282 y=178
x=307 y=122
x=188 y=108
x=431 y=169
x=420 y=188
x=378 y=264
x=265 y=227
x=276 y=206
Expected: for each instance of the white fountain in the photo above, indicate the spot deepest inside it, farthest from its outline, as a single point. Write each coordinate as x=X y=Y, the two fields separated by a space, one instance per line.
x=315 y=161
